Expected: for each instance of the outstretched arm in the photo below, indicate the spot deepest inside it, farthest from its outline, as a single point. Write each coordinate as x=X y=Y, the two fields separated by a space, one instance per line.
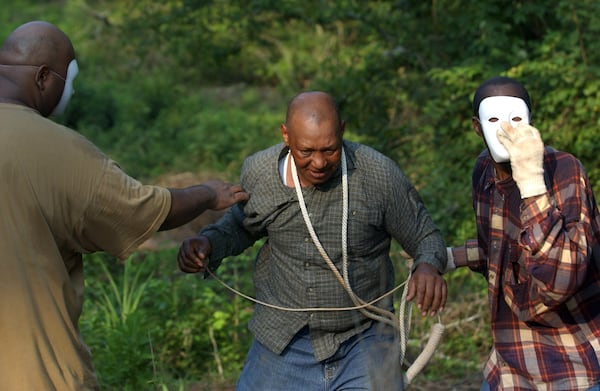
x=188 y=203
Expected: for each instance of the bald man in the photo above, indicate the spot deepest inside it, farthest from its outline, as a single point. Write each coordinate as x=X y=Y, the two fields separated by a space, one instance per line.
x=328 y=209
x=62 y=197
x=537 y=246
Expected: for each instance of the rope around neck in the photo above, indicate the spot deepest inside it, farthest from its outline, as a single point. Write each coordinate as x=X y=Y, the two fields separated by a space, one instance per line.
x=368 y=309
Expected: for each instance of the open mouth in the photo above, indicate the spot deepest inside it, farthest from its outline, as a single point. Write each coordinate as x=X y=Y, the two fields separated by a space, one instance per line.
x=319 y=174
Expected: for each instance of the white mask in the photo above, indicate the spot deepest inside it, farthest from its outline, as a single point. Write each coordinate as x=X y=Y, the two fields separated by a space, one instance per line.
x=494 y=110
x=68 y=90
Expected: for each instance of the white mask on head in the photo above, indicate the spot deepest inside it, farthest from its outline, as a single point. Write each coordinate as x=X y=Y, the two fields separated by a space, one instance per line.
x=492 y=111
x=68 y=90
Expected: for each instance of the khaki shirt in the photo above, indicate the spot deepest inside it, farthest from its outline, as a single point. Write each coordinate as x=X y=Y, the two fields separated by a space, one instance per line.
x=59 y=197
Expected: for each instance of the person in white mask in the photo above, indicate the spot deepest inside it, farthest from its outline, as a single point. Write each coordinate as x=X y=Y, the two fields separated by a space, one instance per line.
x=62 y=197
x=537 y=245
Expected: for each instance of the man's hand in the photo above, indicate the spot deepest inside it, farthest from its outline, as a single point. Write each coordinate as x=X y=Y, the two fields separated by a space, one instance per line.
x=190 y=202
x=225 y=194
x=428 y=288
x=193 y=254
x=526 y=150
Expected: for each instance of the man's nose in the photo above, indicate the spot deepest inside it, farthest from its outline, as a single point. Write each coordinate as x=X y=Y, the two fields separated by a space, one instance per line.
x=319 y=161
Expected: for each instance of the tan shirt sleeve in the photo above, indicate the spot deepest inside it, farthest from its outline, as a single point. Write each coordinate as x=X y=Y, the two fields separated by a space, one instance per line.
x=122 y=213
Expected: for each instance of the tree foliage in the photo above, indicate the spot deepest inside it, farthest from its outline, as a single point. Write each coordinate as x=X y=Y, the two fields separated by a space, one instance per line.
x=403 y=72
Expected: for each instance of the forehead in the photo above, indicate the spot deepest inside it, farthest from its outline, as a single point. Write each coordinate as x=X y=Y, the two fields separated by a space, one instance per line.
x=306 y=131
x=502 y=104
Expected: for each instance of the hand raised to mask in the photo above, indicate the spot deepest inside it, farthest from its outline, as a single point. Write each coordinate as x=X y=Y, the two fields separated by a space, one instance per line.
x=526 y=150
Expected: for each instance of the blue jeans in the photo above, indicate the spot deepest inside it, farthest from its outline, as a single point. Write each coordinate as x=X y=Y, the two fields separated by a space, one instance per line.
x=368 y=361
x=486 y=387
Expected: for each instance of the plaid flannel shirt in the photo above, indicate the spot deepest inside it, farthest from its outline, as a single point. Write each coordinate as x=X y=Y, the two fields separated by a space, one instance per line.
x=543 y=281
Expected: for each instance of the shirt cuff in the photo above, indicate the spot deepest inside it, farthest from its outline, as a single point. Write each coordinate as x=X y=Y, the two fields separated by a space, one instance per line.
x=475 y=258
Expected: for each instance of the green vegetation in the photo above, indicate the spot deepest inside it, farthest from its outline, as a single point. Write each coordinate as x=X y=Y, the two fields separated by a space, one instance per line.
x=197 y=85
x=150 y=326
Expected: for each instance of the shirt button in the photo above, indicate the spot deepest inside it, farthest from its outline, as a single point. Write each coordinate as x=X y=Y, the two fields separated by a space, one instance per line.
x=307 y=265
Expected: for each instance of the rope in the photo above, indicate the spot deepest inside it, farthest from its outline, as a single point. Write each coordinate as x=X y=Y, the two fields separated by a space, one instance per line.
x=368 y=309
x=435 y=336
x=308 y=309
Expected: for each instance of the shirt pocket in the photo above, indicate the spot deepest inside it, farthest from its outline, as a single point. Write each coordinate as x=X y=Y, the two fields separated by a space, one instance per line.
x=366 y=235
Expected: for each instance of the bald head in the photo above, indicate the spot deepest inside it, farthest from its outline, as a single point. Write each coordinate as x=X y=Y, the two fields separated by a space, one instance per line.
x=313 y=135
x=500 y=86
x=37 y=43
x=37 y=68
x=313 y=106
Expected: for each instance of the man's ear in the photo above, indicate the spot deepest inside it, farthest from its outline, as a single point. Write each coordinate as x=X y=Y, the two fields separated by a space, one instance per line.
x=41 y=76
x=284 y=134
x=477 y=126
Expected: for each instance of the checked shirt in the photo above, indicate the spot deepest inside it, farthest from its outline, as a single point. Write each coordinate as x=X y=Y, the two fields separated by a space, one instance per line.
x=290 y=272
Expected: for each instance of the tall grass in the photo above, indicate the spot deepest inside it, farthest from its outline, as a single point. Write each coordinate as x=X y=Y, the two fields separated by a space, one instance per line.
x=120 y=301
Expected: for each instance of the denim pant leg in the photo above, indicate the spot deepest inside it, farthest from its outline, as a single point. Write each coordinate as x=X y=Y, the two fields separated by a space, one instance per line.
x=369 y=361
x=295 y=369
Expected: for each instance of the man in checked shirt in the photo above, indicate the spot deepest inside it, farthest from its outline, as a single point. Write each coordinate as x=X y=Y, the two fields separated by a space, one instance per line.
x=312 y=350
x=537 y=224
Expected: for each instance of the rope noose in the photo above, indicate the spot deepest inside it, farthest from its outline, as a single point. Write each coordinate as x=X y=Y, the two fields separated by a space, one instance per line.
x=368 y=309
x=435 y=337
